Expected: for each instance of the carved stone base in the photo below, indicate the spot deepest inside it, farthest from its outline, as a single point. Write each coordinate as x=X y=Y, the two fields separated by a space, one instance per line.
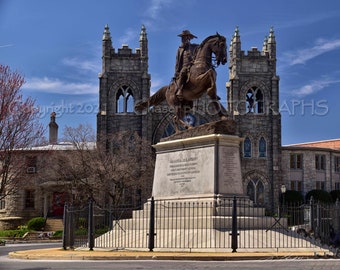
x=202 y=167
x=227 y=126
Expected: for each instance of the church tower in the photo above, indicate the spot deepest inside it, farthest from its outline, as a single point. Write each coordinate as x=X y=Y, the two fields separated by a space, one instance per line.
x=123 y=81
x=253 y=102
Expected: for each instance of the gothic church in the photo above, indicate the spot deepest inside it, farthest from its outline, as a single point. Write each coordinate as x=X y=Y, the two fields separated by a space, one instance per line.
x=253 y=102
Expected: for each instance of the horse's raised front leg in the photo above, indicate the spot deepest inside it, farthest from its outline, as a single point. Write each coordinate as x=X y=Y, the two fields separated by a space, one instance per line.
x=212 y=93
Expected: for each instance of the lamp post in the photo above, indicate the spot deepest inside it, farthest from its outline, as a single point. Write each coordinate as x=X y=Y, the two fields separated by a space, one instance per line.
x=283 y=191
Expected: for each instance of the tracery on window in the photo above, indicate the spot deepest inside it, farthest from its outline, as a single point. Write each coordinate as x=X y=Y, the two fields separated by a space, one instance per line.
x=120 y=101
x=247 y=147
x=254 y=100
x=124 y=100
x=255 y=191
x=262 y=147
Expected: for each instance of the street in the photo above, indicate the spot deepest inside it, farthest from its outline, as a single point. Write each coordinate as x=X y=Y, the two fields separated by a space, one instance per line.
x=11 y=264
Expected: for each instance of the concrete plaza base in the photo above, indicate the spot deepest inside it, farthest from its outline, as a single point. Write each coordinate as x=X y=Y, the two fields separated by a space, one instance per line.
x=205 y=240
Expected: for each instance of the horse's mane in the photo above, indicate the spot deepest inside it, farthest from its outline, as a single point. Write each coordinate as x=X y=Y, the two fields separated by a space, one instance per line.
x=203 y=43
x=208 y=38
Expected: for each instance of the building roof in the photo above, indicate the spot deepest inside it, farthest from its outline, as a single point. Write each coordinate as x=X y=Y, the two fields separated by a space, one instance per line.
x=61 y=146
x=326 y=144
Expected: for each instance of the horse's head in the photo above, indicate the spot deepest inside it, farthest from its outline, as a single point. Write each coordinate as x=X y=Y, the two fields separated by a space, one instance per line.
x=219 y=48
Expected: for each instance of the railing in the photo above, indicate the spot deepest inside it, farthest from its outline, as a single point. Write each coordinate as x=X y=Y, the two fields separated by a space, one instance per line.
x=224 y=224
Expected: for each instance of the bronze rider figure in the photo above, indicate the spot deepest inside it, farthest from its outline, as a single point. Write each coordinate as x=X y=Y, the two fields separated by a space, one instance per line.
x=184 y=59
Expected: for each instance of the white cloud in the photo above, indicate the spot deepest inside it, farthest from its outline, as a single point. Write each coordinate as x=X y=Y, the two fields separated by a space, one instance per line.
x=6 y=45
x=92 y=66
x=156 y=84
x=302 y=56
x=56 y=86
x=314 y=86
x=130 y=35
x=156 y=7
x=59 y=86
x=159 y=12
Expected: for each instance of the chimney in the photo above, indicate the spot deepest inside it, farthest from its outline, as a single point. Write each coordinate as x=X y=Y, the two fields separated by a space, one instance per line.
x=53 y=131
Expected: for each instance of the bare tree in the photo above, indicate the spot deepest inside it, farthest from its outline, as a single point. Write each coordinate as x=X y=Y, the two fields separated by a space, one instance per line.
x=117 y=173
x=19 y=129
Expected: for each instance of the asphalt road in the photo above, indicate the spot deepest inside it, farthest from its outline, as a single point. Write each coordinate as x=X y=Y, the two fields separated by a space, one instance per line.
x=11 y=264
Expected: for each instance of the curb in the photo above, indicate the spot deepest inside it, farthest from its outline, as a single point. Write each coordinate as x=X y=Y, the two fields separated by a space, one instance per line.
x=60 y=254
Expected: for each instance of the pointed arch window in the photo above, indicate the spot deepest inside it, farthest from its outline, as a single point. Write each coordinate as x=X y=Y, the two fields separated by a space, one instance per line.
x=254 y=100
x=255 y=191
x=247 y=147
x=262 y=147
x=129 y=101
x=120 y=101
x=124 y=100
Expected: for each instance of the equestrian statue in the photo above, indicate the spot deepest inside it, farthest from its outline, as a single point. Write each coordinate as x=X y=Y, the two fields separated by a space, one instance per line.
x=194 y=75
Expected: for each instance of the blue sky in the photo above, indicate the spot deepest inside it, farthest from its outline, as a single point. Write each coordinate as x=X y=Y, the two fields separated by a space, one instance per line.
x=56 y=46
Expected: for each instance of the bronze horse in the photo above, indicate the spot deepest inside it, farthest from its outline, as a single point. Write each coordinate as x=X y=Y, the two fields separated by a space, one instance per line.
x=201 y=79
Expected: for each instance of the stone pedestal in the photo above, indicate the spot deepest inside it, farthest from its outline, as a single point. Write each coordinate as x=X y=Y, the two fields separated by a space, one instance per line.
x=197 y=176
x=201 y=167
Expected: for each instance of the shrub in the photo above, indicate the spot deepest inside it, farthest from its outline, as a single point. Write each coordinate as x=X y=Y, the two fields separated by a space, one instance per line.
x=293 y=197
x=81 y=231
x=13 y=233
x=36 y=224
x=335 y=195
x=319 y=196
x=58 y=233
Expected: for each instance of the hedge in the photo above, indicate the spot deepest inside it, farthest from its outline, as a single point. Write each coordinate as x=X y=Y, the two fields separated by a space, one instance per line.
x=319 y=196
x=36 y=224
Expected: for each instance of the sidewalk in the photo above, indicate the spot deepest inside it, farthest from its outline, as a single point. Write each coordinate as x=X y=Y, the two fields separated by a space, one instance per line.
x=99 y=254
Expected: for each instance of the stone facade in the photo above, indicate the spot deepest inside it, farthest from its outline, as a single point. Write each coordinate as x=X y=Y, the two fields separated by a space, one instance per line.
x=36 y=195
x=253 y=102
x=311 y=166
x=125 y=80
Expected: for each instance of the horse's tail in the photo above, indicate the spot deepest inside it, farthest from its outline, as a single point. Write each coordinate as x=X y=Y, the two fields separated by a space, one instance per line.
x=154 y=100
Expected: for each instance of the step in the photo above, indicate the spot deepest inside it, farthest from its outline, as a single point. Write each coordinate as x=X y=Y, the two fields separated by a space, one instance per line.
x=212 y=222
x=54 y=225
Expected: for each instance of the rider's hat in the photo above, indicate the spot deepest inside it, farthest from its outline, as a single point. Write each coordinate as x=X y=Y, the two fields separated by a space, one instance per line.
x=187 y=33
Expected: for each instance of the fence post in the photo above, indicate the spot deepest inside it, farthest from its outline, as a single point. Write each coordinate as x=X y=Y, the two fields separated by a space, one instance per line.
x=152 y=225
x=234 y=233
x=318 y=220
x=311 y=203
x=71 y=226
x=65 y=231
x=90 y=225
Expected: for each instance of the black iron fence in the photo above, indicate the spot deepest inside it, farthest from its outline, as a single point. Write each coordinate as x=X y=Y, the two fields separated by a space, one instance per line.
x=228 y=224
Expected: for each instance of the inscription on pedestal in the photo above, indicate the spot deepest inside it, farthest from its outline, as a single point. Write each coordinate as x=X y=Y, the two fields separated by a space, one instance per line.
x=183 y=170
x=229 y=171
x=199 y=166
